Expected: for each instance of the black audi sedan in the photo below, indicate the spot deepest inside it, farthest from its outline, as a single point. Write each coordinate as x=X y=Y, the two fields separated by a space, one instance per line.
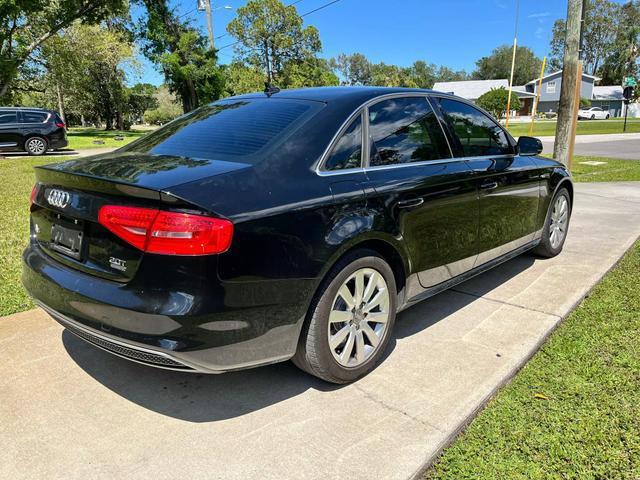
x=293 y=225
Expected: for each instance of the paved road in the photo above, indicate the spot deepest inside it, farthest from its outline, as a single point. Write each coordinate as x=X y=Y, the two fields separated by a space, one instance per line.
x=625 y=146
x=70 y=411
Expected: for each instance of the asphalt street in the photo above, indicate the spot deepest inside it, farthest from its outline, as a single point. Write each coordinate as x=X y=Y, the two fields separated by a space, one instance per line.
x=624 y=146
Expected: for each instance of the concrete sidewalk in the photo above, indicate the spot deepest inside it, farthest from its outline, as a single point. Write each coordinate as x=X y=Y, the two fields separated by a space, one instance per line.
x=69 y=410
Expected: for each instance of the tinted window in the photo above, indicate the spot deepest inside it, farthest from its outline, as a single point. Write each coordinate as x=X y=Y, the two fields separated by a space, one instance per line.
x=478 y=134
x=8 y=117
x=227 y=130
x=347 y=151
x=404 y=130
x=34 y=117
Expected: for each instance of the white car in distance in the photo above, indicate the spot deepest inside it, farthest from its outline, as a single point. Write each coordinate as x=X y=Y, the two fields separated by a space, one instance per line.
x=593 y=113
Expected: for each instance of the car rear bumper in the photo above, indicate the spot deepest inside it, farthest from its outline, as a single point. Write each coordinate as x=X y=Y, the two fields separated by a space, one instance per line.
x=58 y=143
x=147 y=327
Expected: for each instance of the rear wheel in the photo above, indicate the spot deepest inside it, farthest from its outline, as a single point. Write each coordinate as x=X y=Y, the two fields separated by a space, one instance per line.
x=350 y=322
x=556 y=225
x=593 y=117
x=606 y=117
x=35 y=146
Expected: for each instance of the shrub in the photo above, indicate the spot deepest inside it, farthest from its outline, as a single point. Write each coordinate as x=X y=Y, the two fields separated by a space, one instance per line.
x=495 y=101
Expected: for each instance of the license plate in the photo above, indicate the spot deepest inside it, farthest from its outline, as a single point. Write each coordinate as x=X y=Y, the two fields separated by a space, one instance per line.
x=67 y=241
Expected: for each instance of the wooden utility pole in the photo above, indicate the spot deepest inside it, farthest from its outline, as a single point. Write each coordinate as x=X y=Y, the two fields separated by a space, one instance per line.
x=207 y=7
x=569 y=100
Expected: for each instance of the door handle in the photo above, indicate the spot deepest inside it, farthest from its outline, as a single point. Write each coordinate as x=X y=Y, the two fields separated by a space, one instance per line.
x=411 y=203
x=489 y=186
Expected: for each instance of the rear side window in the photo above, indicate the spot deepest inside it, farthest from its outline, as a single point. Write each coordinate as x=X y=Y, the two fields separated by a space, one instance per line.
x=347 y=151
x=8 y=117
x=405 y=130
x=34 y=117
x=478 y=134
x=240 y=130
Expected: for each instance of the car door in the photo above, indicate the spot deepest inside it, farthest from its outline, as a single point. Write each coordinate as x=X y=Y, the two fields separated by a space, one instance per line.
x=9 y=129
x=427 y=194
x=507 y=183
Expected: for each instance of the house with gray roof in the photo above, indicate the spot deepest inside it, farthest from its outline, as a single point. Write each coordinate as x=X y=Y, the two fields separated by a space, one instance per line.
x=605 y=97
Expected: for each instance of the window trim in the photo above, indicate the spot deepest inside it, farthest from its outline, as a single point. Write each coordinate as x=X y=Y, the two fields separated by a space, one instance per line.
x=9 y=111
x=363 y=109
x=336 y=139
x=512 y=142
x=549 y=83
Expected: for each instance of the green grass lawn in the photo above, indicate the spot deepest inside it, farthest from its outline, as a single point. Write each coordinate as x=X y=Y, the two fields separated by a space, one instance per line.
x=614 y=170
x=83 y=138
x=585 y=127
x=573 y=411
x=15 y=187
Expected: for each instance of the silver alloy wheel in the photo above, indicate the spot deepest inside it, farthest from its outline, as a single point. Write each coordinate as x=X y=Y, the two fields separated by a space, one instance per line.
x=559 y=220
x=36 y=146
x=358 y=317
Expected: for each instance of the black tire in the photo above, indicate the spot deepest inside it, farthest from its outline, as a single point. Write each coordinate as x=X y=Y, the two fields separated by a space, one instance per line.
x=607 y=117
x=593 y=117
x=545 y=248
x=36 y=146
x=314 y=353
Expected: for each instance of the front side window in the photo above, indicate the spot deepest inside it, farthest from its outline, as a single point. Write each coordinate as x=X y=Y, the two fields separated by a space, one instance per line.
x=347 y=151
x=478 y=134
x=8 y=117
x=551 y=87
x=34 y=117
x=405 y=130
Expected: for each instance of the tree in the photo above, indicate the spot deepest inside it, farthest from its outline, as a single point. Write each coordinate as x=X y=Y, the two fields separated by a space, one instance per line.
x=495 y=101
x=189 y=66
x=445 y=74
x=240 y=78
x=625 y=55
x=599 y=30
x=355 y=69
x=25 y=25
x=498 y=65
x=308 y=73
x=585 y=102
x=384 y=75
x=167 y=108
x=270 y=35
x=85 y=65
x=423 y=74
x=140 y=98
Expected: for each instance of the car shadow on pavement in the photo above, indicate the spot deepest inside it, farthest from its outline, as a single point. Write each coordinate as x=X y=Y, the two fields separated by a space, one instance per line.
x=197 y=397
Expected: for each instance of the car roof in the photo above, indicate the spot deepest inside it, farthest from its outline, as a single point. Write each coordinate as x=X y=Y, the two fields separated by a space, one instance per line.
x=336 y=94
x=34 y=109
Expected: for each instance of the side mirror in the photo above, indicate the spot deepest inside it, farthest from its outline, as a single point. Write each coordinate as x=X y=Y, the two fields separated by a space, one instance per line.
x=529 y=146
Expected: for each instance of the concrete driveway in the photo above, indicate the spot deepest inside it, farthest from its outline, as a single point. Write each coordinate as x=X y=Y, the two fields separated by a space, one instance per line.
x=69 y=410
x=622 y=145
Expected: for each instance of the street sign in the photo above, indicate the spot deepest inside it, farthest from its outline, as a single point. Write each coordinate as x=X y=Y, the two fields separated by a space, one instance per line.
x=629 y=82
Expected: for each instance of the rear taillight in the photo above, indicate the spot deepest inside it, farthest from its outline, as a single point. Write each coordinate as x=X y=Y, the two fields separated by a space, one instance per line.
x=167 y=233
x=60 y=125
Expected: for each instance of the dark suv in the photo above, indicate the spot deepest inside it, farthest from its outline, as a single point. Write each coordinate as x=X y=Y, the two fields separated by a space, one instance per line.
x=33 y=130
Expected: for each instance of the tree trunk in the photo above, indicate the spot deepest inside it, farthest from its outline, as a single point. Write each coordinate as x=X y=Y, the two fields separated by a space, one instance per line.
x=120 y=120
x=60 y=103
x=83 y=121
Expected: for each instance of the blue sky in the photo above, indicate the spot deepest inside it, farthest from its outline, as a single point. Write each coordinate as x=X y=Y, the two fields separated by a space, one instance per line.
x=454 y=33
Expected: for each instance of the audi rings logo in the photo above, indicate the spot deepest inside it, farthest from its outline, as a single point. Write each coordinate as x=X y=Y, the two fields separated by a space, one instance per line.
x=58 y=198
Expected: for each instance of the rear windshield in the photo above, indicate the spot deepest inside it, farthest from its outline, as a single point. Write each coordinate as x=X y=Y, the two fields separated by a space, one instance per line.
x=241 y=130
